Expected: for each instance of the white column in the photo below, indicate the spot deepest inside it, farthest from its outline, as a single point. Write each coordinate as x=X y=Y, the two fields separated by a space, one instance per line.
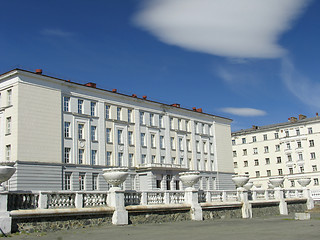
x=278 y=194
x=5 y=218
x=191 y=197
x=116 y=199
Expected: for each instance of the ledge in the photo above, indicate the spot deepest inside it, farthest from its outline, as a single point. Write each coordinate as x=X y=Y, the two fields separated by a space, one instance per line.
x=162 y=207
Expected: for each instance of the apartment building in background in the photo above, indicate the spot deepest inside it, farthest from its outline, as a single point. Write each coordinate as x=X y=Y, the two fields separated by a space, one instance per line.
x=290 y=149
x=61 y=134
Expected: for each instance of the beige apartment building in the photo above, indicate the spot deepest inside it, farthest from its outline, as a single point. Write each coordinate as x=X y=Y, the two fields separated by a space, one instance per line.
x=61 y=134
x=290 y=149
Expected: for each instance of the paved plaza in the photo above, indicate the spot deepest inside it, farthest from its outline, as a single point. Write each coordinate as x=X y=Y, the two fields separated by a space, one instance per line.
x=278 y=227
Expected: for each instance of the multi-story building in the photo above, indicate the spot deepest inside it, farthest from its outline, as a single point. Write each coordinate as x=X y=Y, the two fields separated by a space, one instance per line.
x=60 y=135
x=290 y=149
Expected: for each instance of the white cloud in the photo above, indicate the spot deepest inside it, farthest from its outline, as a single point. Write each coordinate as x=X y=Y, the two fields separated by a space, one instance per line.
x=244 y=112
x=230 y=28
x=306 y=90
x=56 y=32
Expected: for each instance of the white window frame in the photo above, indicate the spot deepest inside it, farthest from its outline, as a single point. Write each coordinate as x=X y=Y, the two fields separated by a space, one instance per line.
x=80 y=106
x=66 y=104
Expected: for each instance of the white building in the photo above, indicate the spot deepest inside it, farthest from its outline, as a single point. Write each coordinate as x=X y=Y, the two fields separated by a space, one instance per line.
x=290 y=149
x=60 y=135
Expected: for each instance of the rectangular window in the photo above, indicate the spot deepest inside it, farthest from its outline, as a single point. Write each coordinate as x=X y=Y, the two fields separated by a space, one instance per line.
x=267 y=161
x=152 y=119
x=161 y=121
x=107 y=112
x=301 y=169
x=153 y=140
x=109 y=155
x=298 y=132
x=9 y=97
x=82 y=181
x=66 y=129
x=288 y=146
x=130 y=163
x=277 y=148
x=93 y=157
x=198 y=146
x=289 y=158
x=142 y=118
x=153 y=158
x=8 y=125
x=265 y=137
x=173 y=160
x=93 y=133
x=311 y=143
x=8 y=152
x=234 y=153
x=276 y=135
x=268 y=173
x=81 y=156
x=256 y=162
x=279 y=159
x=280 y=172
x=205 y=149
x=108 y=135
x=172 y=143
x=162 y=159
x=80 y=106
x=187 y=125
x=143 y=139
x=179 y=124
x=162 y=142
x=235 y=165
x=244 y=140
x=314 y=168
x=287 y=133
x=257 y=173
x=299 y=144
x=120 y=159
x=67 y=181
x=300 y=156
x=245 y=164
x=93 y=108
x=266 y=149
x=233 y=142
x=292 y=183
x=254 y=139
x=143 y=158
x=130 y=137
x=120 y=136
x=181 y=144
x=316 y=181
x=255 y=150
x=81 y=131
x=67 y=152
x=290 y=170
x=310 y=130
x=245 y=152
x=313 y=155
x=189 y=145
x=95 y=181
x=119 y=113
x=66 y=104
x=130 y=118
x=171 y=123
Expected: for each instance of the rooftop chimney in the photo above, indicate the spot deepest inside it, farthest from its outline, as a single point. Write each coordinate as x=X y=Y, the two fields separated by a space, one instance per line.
x=91 y=84
x=175 y=105
x=301 y=117
x=114 y=90
x=254 y=127
x=144 y=97
x=199 y=110
x=194 y=109
x=292 y=119
x=134 y=95
x=38 y=71
x=317 y=114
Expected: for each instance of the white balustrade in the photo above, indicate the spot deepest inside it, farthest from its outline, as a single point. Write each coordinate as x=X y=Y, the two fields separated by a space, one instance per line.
x=94 y=199
x=61 y=200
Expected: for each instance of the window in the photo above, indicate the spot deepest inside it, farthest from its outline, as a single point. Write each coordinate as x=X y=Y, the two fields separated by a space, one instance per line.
x=171 y=123
x=161 y=121
x=189 y=145
x=235 y=165
x=245 y=164
x=130 y=163
x=280 y=171
x=173 y=160
x=130 y=116
x=82 y=181
x=172 y=143
x=67 y=155
x=108 y=135
x=80 y=131
x=234 y=153
x=67 y=181
x=120 y=136
x=153 y=140
x=9 y=97
x=93 y=157
x=143 y=159
x=107 y=112
x=198 y=146
x=120 y=159
x=288 y=146
x=289 y=158
x=256 y=162
x=66 y=103
x=109 y=154
x=292 y=183
x=142 y=118
x=244 y=152
x=316 y=181
x=290 y=170
x=311 y=143
x=299 y=144
x=93 y=108
x=8 y=125
x=268 y=173
x=8 y=152
x=81 y=156
x=233 y=142
x=93 y=133
x=153 y=158
x=300 y=156
x=161 y=141
x=313 y=155
x=298 y=132
x=80 y=106
x=151 y=119
x=267 y=161
x=279 y=159
x=265 y=137
x=257 y=173
x=314 y=168
x=179 y=124
x=130 y=137
x=301 y=169
x=276 y=135
x=181 y=144
x=254 y=139
x=266 y=149
x=119 y=113
x=162 y=159
x=277 y=148
x=187 y=125
x=310 y=130
x=255 y=150
x=66 y=129
x=244 y=140
x=287 y=133
x=143 y=139
x=95 y=181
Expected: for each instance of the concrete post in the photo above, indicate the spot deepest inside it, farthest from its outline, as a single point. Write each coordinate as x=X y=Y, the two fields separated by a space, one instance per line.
x=191 y=197
x=5 y=218
x=166 y=198
x=307 y=195
x=254 y=195
x=79 y=200
x=246 y=206
x=144 y=198
x=116 y=200
x=278 y=194
x=208 y=196
x=43 y=200
x=224 y=196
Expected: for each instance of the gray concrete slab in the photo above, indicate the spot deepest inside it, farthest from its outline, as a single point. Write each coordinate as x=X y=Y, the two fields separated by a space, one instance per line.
x=278 y=227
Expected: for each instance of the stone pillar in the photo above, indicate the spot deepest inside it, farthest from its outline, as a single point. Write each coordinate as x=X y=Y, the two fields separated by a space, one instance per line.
x=278 y=194
x=79 y=200
x=307 y=195
x=191 y=197
x=43 y=200
x=116 y=199
x=246 y=206
x=5 y=218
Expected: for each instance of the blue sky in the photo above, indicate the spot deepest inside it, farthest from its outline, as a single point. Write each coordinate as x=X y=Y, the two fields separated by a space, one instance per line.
x=254 y=61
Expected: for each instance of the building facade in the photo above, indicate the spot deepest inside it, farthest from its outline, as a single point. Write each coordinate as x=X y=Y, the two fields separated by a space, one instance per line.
x=60 y=135
x=290 y=149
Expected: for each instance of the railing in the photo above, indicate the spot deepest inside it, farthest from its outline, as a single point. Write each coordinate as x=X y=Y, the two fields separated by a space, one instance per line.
x=155 y=197
x=176 y=197
x=132 y=198
x=61 y=200
x=263 y=195
x=293 y=193
x=315 y=194
x=95 y=199
x=22 y=200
